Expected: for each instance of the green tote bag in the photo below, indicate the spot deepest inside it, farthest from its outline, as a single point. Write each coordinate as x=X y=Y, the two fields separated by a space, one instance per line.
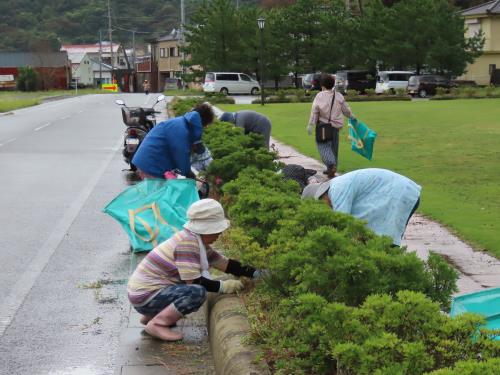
x=153 y=210
x=362 y=138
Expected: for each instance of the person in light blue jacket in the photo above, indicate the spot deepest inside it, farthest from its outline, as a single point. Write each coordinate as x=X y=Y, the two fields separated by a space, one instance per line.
x=384 y=199
x=169 y=144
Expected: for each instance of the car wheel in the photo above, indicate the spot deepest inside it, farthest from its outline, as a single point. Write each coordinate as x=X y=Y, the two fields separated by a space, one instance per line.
x=254 y=91
x=422 y=93
x=224 y=91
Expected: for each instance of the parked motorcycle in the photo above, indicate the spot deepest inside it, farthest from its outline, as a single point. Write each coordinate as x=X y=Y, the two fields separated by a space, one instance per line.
x=139 y=121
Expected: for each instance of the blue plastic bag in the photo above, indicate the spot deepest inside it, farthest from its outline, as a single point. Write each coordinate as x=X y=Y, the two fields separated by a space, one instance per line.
x=362 y=138
x=485 y=302
x=153 y=210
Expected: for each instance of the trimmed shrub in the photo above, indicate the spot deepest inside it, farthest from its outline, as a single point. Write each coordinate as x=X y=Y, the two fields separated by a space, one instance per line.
x=27 y=80
x=404 y=334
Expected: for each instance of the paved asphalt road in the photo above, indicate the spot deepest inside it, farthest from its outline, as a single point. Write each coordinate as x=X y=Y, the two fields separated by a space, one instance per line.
x=60 y=163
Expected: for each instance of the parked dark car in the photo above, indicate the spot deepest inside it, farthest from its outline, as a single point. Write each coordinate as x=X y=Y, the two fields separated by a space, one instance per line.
x=358 y=80
x=426 y=84
x=311 y=81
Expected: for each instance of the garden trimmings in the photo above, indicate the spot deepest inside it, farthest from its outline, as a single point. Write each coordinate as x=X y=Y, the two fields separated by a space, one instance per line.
x=337 y=297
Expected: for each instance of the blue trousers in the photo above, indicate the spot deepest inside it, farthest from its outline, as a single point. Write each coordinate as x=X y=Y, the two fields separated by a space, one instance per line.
x=185 y=297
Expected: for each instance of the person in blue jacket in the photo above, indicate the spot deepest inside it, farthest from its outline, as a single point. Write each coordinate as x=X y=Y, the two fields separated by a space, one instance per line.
x=168 y=145
x=384 y=199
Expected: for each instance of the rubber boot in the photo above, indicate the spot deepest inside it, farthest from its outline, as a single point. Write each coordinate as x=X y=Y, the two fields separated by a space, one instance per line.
x=159 y=326
x=145 y=319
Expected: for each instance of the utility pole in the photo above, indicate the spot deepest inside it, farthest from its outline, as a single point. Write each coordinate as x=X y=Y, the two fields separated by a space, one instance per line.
x=100 y=59
x=133 y=47
x=183 y=21
x=110 y=42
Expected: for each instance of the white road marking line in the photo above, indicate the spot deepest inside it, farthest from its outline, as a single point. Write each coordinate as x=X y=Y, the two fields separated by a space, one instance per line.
x=81 y=111
x=7 y=141
x=43 y=126
x=26 y=281
x=65 y=117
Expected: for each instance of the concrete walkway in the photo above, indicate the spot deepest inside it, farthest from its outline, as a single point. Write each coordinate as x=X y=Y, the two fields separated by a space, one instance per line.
x=477 y=269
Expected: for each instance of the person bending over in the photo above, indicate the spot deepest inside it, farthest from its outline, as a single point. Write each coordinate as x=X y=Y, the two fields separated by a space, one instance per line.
x=384 y=199
x=168 y=145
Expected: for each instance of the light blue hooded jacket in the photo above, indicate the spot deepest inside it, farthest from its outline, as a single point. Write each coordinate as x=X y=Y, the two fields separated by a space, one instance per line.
x=382 y=198
x=168 y=145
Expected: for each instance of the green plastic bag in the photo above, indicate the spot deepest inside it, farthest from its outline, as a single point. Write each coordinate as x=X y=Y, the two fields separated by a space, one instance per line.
x=485 y=302
x=153 y=210
x=362 y=138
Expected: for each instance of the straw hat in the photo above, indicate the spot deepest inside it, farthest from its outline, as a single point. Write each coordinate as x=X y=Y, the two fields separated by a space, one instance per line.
x=316 y=190
x=206 y=217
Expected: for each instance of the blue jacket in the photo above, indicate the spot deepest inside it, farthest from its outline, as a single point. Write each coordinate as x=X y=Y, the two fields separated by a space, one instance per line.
x=168 y=145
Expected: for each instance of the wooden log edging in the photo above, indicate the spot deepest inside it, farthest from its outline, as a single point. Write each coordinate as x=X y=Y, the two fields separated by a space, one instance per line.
x=227 y=327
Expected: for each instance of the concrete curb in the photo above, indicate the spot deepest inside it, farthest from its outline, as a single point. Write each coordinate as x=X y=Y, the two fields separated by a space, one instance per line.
x=227 y=328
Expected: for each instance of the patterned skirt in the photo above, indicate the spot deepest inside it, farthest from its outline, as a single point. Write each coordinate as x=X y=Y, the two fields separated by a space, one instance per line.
x=329 y=151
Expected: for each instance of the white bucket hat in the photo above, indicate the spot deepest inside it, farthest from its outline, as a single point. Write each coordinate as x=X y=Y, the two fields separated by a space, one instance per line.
x=206 y=217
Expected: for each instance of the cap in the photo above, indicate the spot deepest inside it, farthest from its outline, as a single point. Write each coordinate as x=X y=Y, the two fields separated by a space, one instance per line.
x=316 y=190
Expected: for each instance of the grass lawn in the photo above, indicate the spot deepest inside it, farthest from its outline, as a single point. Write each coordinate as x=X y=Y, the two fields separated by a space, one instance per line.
x=451 y=148
x=11 y=100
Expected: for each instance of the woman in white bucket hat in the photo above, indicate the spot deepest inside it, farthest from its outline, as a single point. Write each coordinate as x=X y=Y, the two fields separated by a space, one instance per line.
x=173 y=279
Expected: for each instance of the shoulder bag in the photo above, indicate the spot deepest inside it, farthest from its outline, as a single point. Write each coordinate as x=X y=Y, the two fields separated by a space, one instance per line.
x=324 y=130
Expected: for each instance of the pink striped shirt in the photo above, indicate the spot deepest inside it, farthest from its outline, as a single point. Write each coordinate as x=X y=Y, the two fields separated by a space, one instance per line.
x=171 y=262
x=321 y=109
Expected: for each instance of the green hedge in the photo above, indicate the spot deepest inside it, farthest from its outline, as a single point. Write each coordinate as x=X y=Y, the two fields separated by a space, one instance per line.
x=338 y=298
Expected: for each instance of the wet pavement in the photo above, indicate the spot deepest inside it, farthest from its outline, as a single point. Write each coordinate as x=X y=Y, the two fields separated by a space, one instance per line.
x=141 y=354
x=477 y=270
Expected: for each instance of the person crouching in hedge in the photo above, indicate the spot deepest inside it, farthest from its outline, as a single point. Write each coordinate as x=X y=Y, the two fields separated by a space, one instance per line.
x=173 y=279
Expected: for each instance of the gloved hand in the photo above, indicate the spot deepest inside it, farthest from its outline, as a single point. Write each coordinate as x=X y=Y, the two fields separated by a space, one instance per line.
x=230 y=286
x=309 y=129
x=259 y=274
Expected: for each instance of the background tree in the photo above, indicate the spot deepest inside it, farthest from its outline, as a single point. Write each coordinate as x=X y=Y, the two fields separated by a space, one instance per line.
x=419 y=34
x=213 y=37
x=27 y=80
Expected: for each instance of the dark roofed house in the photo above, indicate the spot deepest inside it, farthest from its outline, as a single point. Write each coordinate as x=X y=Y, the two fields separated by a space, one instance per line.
x=53 y=68
x=486 y=18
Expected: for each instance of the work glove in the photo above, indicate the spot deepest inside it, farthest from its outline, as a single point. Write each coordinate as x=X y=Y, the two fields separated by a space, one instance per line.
x=309 y=129
x=230 y=286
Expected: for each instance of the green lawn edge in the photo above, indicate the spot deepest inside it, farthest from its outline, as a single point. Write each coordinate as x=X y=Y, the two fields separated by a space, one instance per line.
x=12 y=100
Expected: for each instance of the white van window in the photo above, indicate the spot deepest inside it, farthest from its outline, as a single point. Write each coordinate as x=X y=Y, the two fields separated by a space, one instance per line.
x=227 y=77
x=382 y=77
x=399 y=76
x=209 y=77
x=244 y=77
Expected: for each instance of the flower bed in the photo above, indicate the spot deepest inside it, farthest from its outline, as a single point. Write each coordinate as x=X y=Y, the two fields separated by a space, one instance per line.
x=467 y=93
x=338 y=298
x=299 y=96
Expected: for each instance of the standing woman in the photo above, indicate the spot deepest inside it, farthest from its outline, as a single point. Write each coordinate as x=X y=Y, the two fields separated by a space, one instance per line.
x=328 y=108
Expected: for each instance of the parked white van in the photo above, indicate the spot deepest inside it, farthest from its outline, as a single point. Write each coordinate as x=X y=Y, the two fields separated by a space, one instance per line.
x=230 y=83
x=389 y=81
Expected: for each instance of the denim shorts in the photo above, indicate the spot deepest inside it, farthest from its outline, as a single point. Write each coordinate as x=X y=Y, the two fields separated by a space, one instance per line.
x=185 y=297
